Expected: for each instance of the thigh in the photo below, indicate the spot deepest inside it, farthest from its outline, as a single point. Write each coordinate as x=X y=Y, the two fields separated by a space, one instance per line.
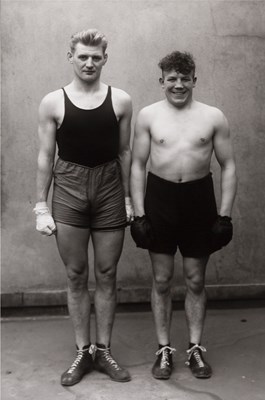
x=195 y=243
x=72 y=244
x=194 y=268
x=107 y=249
x=108 y=206
x=70 y=205
x=163 y=265
x=199 y=214
x=160 y=209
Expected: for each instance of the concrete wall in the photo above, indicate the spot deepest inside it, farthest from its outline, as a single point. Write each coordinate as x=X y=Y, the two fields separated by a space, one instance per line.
x=227 y=40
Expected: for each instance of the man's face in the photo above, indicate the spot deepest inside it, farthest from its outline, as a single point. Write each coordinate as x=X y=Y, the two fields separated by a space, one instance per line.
x=88 y=61
x=178 y=87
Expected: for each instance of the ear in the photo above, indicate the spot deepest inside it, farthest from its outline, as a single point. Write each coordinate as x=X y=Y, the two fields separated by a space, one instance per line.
x=70 y=57
x=105 y=58
x=194 y=81
x=161 y=81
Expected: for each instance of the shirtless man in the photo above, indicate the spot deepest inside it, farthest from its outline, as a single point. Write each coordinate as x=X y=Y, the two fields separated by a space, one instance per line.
x=176 y=207
x=90 y=122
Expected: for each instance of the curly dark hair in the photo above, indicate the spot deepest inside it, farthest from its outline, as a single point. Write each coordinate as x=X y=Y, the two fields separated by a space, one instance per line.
x=178 y=61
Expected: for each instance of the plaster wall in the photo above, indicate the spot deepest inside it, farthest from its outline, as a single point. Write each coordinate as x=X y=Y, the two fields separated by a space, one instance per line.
x=227 y=41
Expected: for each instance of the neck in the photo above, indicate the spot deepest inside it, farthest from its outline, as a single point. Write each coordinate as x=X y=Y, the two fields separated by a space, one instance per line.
x=86 y=87
x=180 y=107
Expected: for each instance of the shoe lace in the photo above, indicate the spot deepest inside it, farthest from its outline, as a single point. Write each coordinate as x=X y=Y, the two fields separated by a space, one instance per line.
x=108 y=357
x=165 y=351
x=194 y=351
x=80 y=354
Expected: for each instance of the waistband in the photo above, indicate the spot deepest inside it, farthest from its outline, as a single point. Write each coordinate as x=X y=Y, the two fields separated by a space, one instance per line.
x=175 y=184
x=109 y=163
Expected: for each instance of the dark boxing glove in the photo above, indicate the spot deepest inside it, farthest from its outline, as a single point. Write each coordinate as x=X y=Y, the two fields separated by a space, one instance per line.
x=222 y=231
x=141 y=232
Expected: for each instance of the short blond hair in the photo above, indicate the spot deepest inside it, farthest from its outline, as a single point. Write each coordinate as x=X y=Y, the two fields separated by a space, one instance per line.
x=90 y=37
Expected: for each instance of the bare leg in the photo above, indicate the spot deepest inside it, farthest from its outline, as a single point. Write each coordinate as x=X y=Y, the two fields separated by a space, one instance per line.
x=195 y=307
x=107 y=250
x=163 y=268
x=72 y=244
x=195 y=301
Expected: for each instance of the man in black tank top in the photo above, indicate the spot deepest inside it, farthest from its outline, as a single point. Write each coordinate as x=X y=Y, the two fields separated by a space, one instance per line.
x=90 y=123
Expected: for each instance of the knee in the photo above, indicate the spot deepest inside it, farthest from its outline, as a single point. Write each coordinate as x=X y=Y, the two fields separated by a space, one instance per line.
x=162 y=284
x=195 y=283
x=105 y=274
x=77 y=277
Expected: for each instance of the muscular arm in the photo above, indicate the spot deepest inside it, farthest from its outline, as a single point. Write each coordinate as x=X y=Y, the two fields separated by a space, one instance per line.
x=140 y=155
x=47 y=138
x=224 y=154
x=124 y=150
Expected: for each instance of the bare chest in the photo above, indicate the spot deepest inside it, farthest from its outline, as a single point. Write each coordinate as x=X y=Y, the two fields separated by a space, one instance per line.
x=181 y=132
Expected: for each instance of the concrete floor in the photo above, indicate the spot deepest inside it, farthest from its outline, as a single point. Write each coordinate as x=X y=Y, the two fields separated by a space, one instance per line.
x=35 y=351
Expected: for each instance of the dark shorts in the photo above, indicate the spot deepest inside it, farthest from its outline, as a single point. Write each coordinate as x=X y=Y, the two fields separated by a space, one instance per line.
x=89 y=197
x=181 y=215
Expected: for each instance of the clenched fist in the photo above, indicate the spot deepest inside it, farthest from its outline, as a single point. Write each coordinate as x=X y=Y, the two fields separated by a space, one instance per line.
x=222 y=231
x=44 y=222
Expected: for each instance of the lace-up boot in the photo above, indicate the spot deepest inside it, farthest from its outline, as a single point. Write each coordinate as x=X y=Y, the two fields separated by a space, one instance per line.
x=198 y=366
x=163 y=366
x=81 y=366
x=104 y=362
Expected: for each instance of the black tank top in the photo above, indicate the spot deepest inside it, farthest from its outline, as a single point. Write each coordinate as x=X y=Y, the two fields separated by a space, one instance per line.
x=88 y=137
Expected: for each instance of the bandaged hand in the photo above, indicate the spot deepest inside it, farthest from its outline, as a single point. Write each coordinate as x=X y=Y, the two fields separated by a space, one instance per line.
x=129 y=210
x=44 y=222
x=141 y=232
x=222 y=231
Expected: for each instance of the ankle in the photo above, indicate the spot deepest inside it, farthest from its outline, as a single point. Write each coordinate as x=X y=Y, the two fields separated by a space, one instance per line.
x=86 y=347
x=194 y=344
x=101 y=346
x=160 y=346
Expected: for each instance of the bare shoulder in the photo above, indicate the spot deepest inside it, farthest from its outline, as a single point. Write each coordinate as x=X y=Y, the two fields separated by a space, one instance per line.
x=217 y=117
x=212 y=111
x=120 y=96
x=147 y=113
x=122 y=103
x=50 y=103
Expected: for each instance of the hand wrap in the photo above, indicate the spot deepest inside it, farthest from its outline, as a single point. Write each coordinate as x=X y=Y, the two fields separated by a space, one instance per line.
x=129 y=210
x=44 y=222
x=222 y=231
x=141 y=232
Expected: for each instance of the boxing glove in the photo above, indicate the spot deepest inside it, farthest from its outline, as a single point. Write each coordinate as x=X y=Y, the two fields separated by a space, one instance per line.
x=44 y=222
x=141 y=232
x=222 y=231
